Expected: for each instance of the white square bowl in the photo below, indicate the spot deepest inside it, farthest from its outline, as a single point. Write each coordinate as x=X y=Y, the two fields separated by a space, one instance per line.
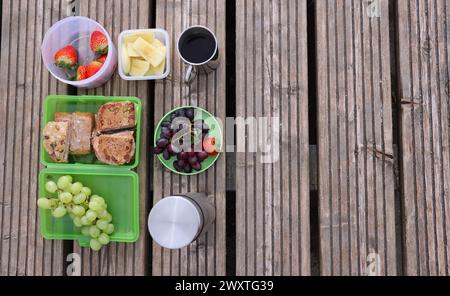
x=162 y=36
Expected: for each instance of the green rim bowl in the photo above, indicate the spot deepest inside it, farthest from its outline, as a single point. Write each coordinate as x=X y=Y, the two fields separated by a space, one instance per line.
x=215 y=131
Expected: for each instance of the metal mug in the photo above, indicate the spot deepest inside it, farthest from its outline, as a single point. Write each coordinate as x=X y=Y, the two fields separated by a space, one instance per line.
x=177 y=221
x=202 y=65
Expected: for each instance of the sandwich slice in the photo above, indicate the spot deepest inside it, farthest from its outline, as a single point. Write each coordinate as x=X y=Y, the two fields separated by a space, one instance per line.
x=115 y=149
x=82 y=124
x=56 y=141
x=115 y=116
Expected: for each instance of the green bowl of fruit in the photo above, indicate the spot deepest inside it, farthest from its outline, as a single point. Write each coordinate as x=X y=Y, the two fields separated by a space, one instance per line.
x=188 y=140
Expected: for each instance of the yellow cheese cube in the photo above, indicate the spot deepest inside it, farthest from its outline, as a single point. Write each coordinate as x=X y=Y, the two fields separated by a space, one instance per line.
x=158 y=44
x=159 y=70
x=139 y=67
x=126 y=63
x=131 y=52
x=149 y=52
x=131 y=38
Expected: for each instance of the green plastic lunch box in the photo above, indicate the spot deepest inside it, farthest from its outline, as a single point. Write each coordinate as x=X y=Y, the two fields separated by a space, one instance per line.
x=118 y=185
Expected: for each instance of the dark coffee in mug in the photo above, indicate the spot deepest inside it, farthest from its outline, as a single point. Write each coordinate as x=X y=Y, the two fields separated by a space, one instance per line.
x=197 y=45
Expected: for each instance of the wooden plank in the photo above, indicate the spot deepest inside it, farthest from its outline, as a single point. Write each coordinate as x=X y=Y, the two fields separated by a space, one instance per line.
x=424 y=34
x=272 y=197
x=122 y=259
x=24 y=83
x=356 y=167
x=207 y=255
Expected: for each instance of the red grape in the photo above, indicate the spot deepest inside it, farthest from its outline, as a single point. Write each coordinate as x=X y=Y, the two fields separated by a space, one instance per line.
x=193 y=160
x=178 y=167
x=187 y=169
x=197 y=166
x=202 y=155
x=184 y=155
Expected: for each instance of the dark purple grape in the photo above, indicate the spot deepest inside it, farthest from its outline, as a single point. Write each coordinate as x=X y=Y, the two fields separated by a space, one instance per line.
x=202 y=155
x=166 y=154
x=193 y=160
x=166 y=133
x=187 y=169
x=190 y=114
x=166 y=124
x=177 y=167
x=184 y=155
x=182 y=163
x=177 y=129
x=197 y=166
x=162 y=143
x=171 y=150
x=158 y=150
x=191 y=153
x=181 y=113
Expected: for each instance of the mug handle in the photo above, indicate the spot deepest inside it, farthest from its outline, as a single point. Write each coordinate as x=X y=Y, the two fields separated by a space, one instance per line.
x=191 y=73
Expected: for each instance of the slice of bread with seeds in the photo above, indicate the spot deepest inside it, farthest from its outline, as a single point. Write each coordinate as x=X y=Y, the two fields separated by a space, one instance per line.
x=56 y=140
x=82 y=124
x=114 y=116
x=115 y=149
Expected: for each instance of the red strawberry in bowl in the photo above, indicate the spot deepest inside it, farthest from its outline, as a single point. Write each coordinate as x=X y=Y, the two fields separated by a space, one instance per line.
x=66 y=57
x=81 y=74
x=102 y=58
x=99 y=43
x=93 y=68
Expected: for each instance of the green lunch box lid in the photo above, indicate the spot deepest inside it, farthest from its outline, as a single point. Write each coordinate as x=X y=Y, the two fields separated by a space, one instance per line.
x=120 y=189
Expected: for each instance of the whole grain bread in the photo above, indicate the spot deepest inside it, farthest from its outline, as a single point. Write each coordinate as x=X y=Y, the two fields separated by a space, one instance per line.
x=82 y=124
x=56 y=140
x=63 y=117
x=114 y=149
x=114 y=116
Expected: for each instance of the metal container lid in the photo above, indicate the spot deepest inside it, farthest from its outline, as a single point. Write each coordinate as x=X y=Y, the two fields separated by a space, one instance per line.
x=175 y=222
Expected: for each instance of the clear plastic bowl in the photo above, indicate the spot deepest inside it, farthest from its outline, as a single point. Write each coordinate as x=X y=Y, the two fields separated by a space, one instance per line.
x=76 y=31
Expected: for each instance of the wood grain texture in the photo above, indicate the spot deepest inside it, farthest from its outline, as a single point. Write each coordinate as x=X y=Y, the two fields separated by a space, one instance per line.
x=356 y=159
x=120 y=258
x=424 y=34
x=272 y=197
x=24 y=83
x=207 y=255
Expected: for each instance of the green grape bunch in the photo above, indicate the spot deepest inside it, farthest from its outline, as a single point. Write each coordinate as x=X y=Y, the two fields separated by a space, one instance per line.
x=88 y=212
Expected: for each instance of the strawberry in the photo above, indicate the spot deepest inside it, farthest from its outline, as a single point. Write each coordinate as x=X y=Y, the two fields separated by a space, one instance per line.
x=81 y=73
x=99 y=43
x=209 y=145
x=93 y=68
x=102 y=58
x=66 y=57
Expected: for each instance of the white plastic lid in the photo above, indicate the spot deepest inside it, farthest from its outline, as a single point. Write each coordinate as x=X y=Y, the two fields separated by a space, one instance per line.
x=175 y=222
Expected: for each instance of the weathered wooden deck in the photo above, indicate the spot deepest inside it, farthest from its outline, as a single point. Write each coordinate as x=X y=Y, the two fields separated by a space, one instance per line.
x=355 y=139
x=367 y=82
